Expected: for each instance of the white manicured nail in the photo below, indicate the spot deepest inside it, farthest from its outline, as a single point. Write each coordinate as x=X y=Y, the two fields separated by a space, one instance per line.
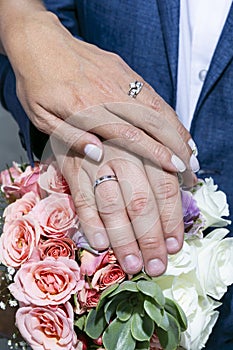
x=194 y=164
x=93 y=152
x=179 y=164
x=193 y=147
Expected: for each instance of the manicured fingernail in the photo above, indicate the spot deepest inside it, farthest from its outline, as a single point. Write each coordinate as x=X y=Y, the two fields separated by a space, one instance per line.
x=132 y=263
x=179 y=164
x=194 y=164
x=100 y=241
x=193 y=147
x=93 y=152
x=172 y=245
x=155 y=267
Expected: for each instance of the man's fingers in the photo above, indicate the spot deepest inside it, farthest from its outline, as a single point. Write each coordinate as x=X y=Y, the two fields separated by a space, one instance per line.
x=81 y=190
x=167 y=192
x=144 y=216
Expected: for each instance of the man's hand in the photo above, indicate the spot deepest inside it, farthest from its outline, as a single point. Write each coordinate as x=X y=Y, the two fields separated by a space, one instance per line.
x=139 y=215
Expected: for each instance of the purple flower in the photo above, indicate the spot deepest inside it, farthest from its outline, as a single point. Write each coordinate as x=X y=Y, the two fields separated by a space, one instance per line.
x=193 y=220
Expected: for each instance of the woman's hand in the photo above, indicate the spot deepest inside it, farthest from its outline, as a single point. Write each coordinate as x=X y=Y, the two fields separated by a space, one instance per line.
x=75 y=89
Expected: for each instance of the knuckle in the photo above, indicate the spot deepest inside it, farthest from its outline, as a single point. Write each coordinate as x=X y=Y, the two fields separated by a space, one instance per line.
x=167 y=189
x=140 y=203
x=108 y=201
x=130 y=133
x=160 y=153
x=153 y=243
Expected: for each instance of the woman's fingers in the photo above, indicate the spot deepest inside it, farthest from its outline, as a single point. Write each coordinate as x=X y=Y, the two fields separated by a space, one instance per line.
x=81 y=142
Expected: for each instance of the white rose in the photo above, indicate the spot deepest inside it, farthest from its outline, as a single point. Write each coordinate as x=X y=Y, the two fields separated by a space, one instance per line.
x=182 y=262
x=215 y=262
x=200 y=324
x=212 y=204
x=199 y=309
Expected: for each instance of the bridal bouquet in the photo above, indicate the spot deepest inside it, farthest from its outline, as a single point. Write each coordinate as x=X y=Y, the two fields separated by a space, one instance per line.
x=72 y=297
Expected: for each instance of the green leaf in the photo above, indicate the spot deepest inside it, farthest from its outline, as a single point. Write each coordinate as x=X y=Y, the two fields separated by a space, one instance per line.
x=95 y=323
x=141 y=276
x=177 y=312
x=111 y=306
x=106 y=293
x=118 y=336
x=80 y=322
x=125 y=286
x=124 y=311
x=156 y=313
x=144 y=345
x=142 y=328
x=153 y=290
x=169 y=339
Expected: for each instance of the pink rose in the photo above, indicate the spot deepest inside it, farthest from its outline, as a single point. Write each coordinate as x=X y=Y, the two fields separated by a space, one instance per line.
x=57 y=247
x=87 y=298
x=48 y=282
x=47 y=328
x=8 y=176
x=107 y=276
x=56 y=215
x=52 y=180
x=27 y=181
x=91 y=262
x=18 y=240
x=21 y=207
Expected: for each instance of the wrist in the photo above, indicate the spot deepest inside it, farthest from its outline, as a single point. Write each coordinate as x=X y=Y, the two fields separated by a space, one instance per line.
x=22 y=28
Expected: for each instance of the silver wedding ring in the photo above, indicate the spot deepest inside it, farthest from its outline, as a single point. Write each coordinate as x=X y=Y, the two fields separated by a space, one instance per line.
x=104 y=178
x=135 y=88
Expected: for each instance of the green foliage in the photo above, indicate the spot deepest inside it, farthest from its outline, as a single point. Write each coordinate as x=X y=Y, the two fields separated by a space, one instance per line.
x=128 y=314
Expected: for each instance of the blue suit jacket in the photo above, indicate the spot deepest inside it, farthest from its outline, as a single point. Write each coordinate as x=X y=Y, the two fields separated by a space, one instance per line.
x=145 y=35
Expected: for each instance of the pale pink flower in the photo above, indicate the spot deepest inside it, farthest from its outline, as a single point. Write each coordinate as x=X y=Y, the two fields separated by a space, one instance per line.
x=90 y=262
x=52 y=180
x=26 y=181
x=56 y=215
x=47 y=282
x=21 y=206
x=18 y=240
x=47 y=328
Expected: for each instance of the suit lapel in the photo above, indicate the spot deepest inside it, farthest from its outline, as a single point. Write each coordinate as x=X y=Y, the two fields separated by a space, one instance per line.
x=169 y=11
x=222 y=56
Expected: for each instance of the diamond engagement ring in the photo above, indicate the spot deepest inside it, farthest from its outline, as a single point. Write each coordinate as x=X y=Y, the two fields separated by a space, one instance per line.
x=104 y=178
x=135 y=88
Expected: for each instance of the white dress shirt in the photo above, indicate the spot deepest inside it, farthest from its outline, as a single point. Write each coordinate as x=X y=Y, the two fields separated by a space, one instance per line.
x=201 y=24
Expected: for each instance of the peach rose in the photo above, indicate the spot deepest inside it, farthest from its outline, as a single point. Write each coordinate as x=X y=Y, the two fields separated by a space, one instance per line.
x=21 y=207
x=87 y=299
x=57 y=247
x=107 y=276
x=27 y=181
x=47 y=328
x=90 y=262
x=52 y=180
x=18 y=240
x=56 y=215
x=47 y=282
